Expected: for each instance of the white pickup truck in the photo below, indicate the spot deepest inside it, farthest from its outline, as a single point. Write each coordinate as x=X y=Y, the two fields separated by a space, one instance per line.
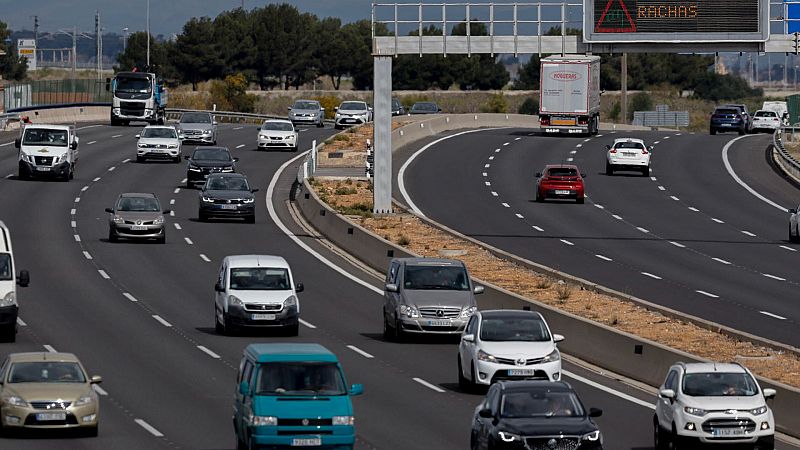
x=47 y=150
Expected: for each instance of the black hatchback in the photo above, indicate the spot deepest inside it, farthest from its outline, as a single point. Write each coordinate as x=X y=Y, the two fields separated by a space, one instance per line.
x=208 y=160
x=534 y=415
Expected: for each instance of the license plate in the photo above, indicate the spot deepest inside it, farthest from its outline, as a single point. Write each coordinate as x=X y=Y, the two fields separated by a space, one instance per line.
x=228 y=206
x=306 y=442
x=629 y=153
x=350 y=120
x=728 y=432
x=43 y=169
x=727 y=124
x=562 y=192
x=520 y=372
x=438 y=323
x=138 y=227
x=263 y=316
x=43 y=417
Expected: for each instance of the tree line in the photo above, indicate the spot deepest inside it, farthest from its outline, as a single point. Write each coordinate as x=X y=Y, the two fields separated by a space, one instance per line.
x=12 y=67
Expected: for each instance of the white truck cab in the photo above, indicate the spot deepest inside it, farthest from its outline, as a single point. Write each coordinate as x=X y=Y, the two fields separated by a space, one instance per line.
x=47 y=150
x=8 y=287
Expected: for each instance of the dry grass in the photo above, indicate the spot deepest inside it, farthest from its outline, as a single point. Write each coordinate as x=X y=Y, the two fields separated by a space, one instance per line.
x=625 y=316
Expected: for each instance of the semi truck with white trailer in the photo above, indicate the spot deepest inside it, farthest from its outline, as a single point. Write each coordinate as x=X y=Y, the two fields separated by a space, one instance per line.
x=137 y=97
x=569 y=94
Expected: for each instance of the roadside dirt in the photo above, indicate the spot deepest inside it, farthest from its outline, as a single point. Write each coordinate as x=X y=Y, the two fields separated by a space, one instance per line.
x=352 y=144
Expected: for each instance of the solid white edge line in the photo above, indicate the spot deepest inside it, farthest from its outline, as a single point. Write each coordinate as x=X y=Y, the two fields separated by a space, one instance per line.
x=208 y=352
x=655 y=277
x=707 y=294
x=307 y=324
x=736 y=178
x=49 y=348
x=428 y=385
x=609 y=390
x=99 y=390
x=188 y=241
x=161 y=320
x=21 y=322
x=767 y=313
x=360 y=352
x=204 y=258
x=148 y=427
x=103 y=274
x=129 y=296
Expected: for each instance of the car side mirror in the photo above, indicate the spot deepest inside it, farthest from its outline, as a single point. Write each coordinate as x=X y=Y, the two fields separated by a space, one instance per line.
x=391 y=287
x=595 y=412
x=24 y=278
x=74 y=145
x=299 y=287
x=218 y=287
x=137 y=136
x=253 y=191
x=186 y=157
x=109 y=210
x=486 y=413
x=166 y=211
x=17 y=143
x=666 y=393
x=538 y=175
x=213 y=122
x=583 y=175
x=558 y=338
x=335 y=108
x=235 y=159
x=439 y=110
x=322 y=109
x=96 y=379
x=608 y=147
x=243 y=388
x=792 y=211
x=357 y=389
x=650 y=148
x=770 y=393
x=289 y=108
x=468 y=338
x=478 y=290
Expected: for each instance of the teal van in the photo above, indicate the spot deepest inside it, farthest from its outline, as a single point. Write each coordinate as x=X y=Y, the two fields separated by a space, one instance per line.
x=293 y=395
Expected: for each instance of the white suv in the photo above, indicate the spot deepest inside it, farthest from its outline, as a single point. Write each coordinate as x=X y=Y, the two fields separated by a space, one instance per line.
x=628 y=154
x=507 y=345
x=713 y=403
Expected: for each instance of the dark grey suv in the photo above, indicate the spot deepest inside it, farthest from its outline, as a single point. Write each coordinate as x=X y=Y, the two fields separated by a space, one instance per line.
x=427 y=295
x=227 y=195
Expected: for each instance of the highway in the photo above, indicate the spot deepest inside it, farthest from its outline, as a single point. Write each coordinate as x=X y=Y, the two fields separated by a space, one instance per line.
x=705 y=234
x=141 y=314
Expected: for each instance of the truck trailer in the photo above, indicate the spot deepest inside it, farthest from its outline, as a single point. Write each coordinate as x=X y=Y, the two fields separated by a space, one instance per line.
x=569 y=95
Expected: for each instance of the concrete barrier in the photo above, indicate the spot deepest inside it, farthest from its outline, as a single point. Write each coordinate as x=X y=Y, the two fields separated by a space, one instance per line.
x=69 y=115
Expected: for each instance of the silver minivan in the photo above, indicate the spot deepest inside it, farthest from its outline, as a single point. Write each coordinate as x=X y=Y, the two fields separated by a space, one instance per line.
x=427 y=295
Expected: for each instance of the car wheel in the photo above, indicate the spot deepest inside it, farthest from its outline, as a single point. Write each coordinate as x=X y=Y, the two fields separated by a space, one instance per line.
x=139 y=159
x=240 y=444
x=399 y=336
x=227 y=325
x=645 y=171
x=112 y=236
x=71 y=172
x=218 y=326
x=579 y=200
x=250 y=219
x=463 y=383
x=292 y=330
x=539 y=197
x=93 y=431
x=473 y=382
x=9 y=333
x=202 y=217
x=660 y=441
x=388 y=331
x=793 y=237
x=712 y=131
x=675 y=440
x=609 y=169
x=177 y=160
x=189 y=184
x=321 y=124
x=742 y=131
x=162 y=239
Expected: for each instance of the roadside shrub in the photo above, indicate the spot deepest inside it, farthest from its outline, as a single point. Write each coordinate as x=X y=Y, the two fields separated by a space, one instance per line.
x=543 y=283
x=329 y=102
x=641 y=101
x=563 y=291
x=231 y=94
x=616 y=110
x=529 y=106
x=409 y=100
x=356 y=209
x=341 y=137
x=715 y=87
x=403 y=240
x=496 y=104
x=345 y=191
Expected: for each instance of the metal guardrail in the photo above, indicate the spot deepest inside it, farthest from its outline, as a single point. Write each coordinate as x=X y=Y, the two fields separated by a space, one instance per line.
x=661 y=117
x=7 y=117
x=788 y=162
x=231 y=116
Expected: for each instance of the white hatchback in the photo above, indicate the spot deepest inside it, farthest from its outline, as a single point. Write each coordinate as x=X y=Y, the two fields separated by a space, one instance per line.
x=507 y=345
x=764 y=120
x=628 y=154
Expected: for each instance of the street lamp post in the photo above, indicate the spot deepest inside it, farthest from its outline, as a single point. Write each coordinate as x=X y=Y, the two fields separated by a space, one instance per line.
x=148 y=35
x=124 y=39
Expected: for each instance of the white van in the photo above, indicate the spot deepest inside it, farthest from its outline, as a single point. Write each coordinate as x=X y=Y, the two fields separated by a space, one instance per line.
x=256 y=291
x=47 y=150
x=8 y=287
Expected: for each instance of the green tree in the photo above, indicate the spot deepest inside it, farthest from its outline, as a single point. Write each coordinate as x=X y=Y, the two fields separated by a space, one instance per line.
x=284 y=44
x=197 y=58
x=528 y=77
x=11 y=66
x=480 y=71
x=135 y=56
x=715 y=87
x=421 y=73
x=234 y=38
x=333 y=53
x=359 y=37
x=231 y=94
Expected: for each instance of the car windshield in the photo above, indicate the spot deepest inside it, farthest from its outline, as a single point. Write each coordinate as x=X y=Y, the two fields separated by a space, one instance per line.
x=452 y=278
x=164 y=133
x=6 y=271
x=395 y=104
x=299 y=379
x=277 y=126
x=133 y=85
x=260 y=279
x=46 y=372
x=227 y=184
x=562 y=172
x=424 y=107
x=213 y=155
x=635 y=145
x=531 y=329
x=540 y=403
x=195 y=118
x=726 y=111
x=305 y=105
x=765 y=114
x=719 y=384
x=41 y=136
x=141 y=204
x=353 y=106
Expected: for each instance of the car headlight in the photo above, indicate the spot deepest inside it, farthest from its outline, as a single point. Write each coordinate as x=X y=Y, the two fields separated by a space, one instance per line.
x=695 y=411
x=553 y=356
x=30 y=159
x=409 y=311
x=483 y=356
x=290 y=301
x=207 y=199
x=468 y=312
x=84 y=400
x=505 y=436
x=173 y=146
x=206 y=131
x=235 y=301
x=118 y=219
x=158 y=220
x=262 y=136
x=15 y=400
x=759 y=411
x=248 y=200
x=9 y=299
x=593 y=436
x=193 y=168
x=344 y=420
x=262 y=421
x=56 y=159
x=227 y=169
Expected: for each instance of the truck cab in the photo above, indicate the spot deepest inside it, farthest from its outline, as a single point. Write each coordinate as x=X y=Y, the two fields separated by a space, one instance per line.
x=47 y=151
x=137 y=96
x=9 y=308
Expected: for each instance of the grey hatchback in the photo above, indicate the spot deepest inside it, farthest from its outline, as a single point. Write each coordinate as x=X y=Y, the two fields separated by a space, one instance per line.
x=137 y=216
x=427 y=295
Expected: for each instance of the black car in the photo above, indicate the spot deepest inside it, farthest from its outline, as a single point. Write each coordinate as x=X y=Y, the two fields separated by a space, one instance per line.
x=227 y=195
x=425 y=108
x=205 y=161
x=534 y=415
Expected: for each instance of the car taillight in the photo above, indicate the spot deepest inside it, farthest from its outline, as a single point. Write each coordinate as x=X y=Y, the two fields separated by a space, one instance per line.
x=544 y=121
x=613 y=150
x=583 y=121
x=644 y=151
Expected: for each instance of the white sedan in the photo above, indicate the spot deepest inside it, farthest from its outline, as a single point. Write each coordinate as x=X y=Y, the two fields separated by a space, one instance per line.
x=628 y=154
x=277 y=133
x=158 y=142
x=764 y=120
x=507 y=345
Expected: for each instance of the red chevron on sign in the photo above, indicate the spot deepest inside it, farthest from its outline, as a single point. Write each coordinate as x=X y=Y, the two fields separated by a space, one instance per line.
x=617 y=20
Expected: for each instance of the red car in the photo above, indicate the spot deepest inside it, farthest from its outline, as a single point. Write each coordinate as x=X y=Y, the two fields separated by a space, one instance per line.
x=560 y=181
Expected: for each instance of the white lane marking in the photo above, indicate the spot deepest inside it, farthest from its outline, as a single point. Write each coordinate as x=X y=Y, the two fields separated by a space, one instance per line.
x=85 y=188
x=677 y=244
x=77 y=200
x=506 y=144
x=748 y=233
x=566 y=242
x=486 y=174
x=587 y=140
x=240 y=146
x=116 y=136
x=87 y=255
x=161 y=320
x=172 y=201
x=655 y=277
x=609 y=390
x=572 y=152
x=599 y=206
x=177 y=226
x=487 y=165
x=188 y=241
x=172 y=213
x=237 y=128
x=487 y=183
x=21 y=322
x=360 y=352
x=656 y=142
x=598 y=136
x=148 y=427
x=126 y=160
x=111 y=169
x=72 y=224
x=692 y=208
x=774 y=277
x=428 y=385
x=204 y=258
x=616 y=217
x=516 y=139
x=306 y=324
x=717 y=220
x=497 y=150
x=707 y=294
x=736 y=178
x=538 y=228
x=506 y=205
x=77 y=237
x=91 y=142
x=177 y=190
x=653 y=178
x=9 y=176
x=96 y=179
x=103 y=274
x=788 y=248
x=208 y=352
x=662 y=188
x=520 y=216
x=570 y=159
x=183 y=180
x=491 y=158
x=7 y=143
x=767 y=313
x=49 y=348
x=643 y=230
x=579 y=146
x=678 y=134
x=494 y=193
x=721 y=261
x=666 y=137
x=674 y=198
x=604 y=258
x=99 y=390
x=130 y=297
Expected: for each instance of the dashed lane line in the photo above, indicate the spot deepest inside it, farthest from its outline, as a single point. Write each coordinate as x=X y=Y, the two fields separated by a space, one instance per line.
x=486 y=174
x=208 y=352
x=87 y=255
x=172 y=213
x=129 y=297
x=677 y=244
x=161 y=320
x=707 y=294
x=85 y=188
x=307 y=324
x=674 y=198
x=126 y=160
x=616 y=217
x=49 y=348
x=188 y=241
x=662 y=188
x=506 y=144
x=150 y=429
x=506 y=205
x=604 y=258
x=360 y=352
x=566 y=242
x=103 y=274
x=518 y=138
x=487 y=165
x=774 y=316
x=748 y=233
x=240 y=146
x=495 y=193
x=172 y=201
x=487 y=183
x=720 y=260
x=599 y=206
x=111 y=169
x=177 y=226
x=91 y=142
x=116 y=136
x=21 y=322
x=72 y=212
x=653 y=178
x=774 y=277
x=643 y=230
x=96 y=179
x=177 y=190
x=77 y=200
x=73 y=224
x=788 y=248
x=655 y=277
x=692 y=208
x=491 y=158
x=99 y=390
x=77 y=237
x=428 y=385
x=717 y=220
x=520 y=216
x=204 y=258
x=539 y=229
